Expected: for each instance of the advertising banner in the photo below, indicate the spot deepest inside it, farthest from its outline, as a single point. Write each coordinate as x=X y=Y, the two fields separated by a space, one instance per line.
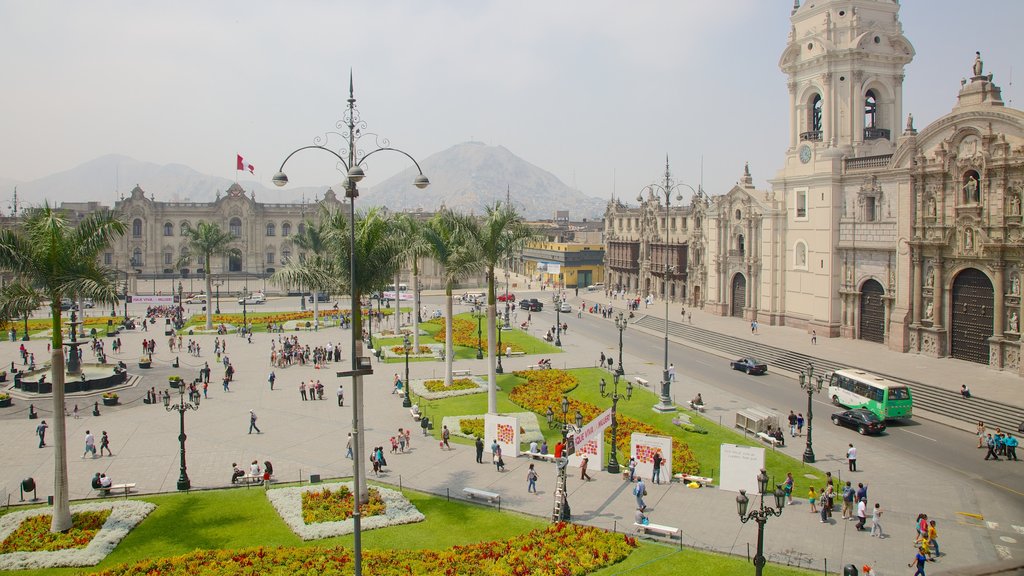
x=589 y=442
x=740 y=467
x=554 y=268
x=643 y=447
x=151 y=299
x=504 y=429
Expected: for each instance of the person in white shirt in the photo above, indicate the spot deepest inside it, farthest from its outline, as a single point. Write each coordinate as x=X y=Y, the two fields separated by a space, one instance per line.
x=851 y=457
x=862 y=514
x=90 y=444
x=254 y=468
x=534 y=449
x=105 y=481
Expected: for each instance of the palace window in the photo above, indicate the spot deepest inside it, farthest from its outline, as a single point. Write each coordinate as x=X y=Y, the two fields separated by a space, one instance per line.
x=271 y=229
x=168 y=229
x=137 y=228
x=235 y=227
x=286 y=229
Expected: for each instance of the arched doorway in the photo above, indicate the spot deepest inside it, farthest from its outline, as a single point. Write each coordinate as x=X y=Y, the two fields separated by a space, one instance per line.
x=971 y=311
x=872 y=312
x=739 y=295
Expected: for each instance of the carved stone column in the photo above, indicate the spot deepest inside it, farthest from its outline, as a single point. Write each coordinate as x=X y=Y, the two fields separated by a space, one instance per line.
x=938 y=293
x=918 y=281
x=999 y=312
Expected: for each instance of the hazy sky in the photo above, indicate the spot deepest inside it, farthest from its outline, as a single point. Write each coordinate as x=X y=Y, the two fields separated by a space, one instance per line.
x=597 y=92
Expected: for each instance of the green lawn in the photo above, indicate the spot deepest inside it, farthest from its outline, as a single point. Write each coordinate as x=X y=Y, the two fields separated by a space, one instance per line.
x=514 y=336
x=239 y=518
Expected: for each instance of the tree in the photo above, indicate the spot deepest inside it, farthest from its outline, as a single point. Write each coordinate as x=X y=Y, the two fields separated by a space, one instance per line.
x=409 y=232
x=502 y=231
x=208 y=240
x=313 y=241
x=49 y=255
x=452 y=246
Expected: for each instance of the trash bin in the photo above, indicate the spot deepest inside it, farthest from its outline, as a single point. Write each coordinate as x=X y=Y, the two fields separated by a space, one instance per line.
x=850 y=570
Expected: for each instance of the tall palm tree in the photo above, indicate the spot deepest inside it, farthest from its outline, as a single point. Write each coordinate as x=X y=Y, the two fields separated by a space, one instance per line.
x=313 y=241
x=501 y=231
x=208 y=240
x=452 y=246
x=409 y=232
x=47 y=253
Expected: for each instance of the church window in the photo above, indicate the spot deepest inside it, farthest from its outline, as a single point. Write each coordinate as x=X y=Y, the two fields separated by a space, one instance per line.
x=168 y=229
x=137 y=258
x=271 y=229
x=870 y=110
x=816 y=105
x=137 y=228
x=801 y=203
x=870 y=208
x=739 y=214
x=235 y=227
x=740 y=245
x=108 y=258
x=167 y=258
x=286 y=256
x=183 y=228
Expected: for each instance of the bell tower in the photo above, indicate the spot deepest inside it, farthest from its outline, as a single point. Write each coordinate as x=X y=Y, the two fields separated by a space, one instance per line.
x=844 y=61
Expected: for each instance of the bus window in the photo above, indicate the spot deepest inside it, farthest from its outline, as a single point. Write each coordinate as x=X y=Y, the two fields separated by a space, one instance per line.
x=899 y=393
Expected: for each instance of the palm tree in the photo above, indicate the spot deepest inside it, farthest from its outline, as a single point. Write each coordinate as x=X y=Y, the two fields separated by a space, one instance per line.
x=50 y=255
x=313 y=241
x=409 y=232
x=208 y=240
x=452 y=246
x=500 y=232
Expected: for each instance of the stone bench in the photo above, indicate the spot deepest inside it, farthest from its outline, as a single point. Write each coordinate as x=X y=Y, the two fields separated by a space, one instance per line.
x=126 y=487
x=667 y=531
x=516 y=353
x=769 y=439
x=415 y=414
x=641 y=382
x=461 y=372
x=696 y=407
x=477 y=493
x=538 y=455
x=702 y=480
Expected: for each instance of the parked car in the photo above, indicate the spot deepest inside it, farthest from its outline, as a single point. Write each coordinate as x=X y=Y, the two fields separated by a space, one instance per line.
x=510 y=297
x=87 y=303
x=565 y=307
x=320 y=297
x=749 y=365
x=595 y=287
x=862 y=420
x=196 y=299
x=531 y=304
x=65 y=303
x=254 y=298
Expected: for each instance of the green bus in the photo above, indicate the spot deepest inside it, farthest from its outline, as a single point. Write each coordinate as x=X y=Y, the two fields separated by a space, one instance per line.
x=889 y=400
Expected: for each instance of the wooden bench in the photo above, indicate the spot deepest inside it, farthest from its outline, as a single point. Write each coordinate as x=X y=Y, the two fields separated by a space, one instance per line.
x=769 y=439
x=477 y=493
x=696 y=407
x=516 y=353
x=538 y=455
x=641 y=382
x=667 y=531
x=539 y=367
x=126 y=487
x=702 y=480
x=461 y=372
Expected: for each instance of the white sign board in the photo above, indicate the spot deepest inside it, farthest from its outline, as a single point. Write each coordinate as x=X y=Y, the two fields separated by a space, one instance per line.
x=592 y=450
x=643 y=447
x=151 y=299
x=504 y=429
x=740 y=467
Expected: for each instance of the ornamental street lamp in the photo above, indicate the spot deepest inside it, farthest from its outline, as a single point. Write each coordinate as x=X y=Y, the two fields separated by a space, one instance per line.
x=561 y=510
x=666 y=190
x=182 y=406
x=245 y=303
x=216 y=283
x=479 y=331
x=613 y=460
x=181 y=305
x=558 y=321
x=352 y=159
x=809 y=385
x=498 y=369
x=407 y=401
x=760 y=514
x=506 y=297
x=620 y=323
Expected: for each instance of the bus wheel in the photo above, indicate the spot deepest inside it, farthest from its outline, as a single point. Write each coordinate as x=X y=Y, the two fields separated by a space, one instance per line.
x=835 y=400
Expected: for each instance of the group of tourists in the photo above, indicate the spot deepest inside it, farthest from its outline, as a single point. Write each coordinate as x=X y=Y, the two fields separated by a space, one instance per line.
x=998 y=443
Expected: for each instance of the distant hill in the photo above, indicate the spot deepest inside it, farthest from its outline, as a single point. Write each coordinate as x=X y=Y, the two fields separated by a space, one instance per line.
x=471 y=175
x=465 y=177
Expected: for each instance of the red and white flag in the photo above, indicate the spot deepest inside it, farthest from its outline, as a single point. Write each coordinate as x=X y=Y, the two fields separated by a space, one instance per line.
x=243 y=165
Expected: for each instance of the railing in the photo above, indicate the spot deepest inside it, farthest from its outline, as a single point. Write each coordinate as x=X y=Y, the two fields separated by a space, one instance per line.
x=813 y=135
x=867 y=162
x=876 y=134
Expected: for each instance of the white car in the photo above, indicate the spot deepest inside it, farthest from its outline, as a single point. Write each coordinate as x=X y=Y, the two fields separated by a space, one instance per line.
x=565 y=307
x=595 y=287
x=255 y=298
x=196 y=299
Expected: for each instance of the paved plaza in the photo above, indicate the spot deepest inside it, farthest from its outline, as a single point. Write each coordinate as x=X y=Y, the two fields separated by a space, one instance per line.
x=308 y=437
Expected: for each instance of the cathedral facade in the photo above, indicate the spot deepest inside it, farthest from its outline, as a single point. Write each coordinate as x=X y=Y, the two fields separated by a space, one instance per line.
x=872 y=229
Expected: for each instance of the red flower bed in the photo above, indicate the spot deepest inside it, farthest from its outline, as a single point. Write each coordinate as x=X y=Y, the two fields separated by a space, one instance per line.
x=33 y=535
x=558 y=550
x=545 y=388
x=333 y=506
x=463 y=334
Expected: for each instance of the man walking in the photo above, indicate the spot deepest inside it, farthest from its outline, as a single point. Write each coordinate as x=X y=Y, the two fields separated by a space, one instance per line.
x=252 y=422
x=792 y=424
x=341 y=396
x=862 y=514
x=851 y=457
x=90 y=444
x=640 y=490
x=480 y=450
x=876 y=521
x=583 y=470
x=41 y=432
x=348 y=447
x=991 y=444
x=271 y=379
x=445 y=435
x=1011 y=447
x=847 y=500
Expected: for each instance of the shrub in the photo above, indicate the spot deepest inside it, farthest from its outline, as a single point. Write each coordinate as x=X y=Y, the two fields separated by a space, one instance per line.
x=457 y=384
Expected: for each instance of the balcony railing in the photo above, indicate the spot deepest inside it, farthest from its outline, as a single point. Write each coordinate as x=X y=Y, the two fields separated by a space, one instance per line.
x=880 y=161
x=813 y=136
x=876 y=134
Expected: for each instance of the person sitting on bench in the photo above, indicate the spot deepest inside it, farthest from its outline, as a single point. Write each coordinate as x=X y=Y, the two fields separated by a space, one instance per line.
x=779 y=437
x=641 y=518
x=698 y=401
x=105 y=483
x=236 y=473
x=96 y=481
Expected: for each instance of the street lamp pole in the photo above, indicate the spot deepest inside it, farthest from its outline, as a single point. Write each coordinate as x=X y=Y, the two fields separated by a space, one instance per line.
x=613 y=460
x=360 y=367
x=182 y=406
x=760 y=514
x=181 y=305
x=809 y=385
x=666 y=190
x=620 y=323
x=506 y=297
x=561 y=511
x=407 y=401
x=499 y=369
x=245 y=302
x=479 y=332
x=558 y=321
x=217 y=284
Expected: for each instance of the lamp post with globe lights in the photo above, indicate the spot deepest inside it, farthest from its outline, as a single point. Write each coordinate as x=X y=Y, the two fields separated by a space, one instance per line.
x=182 y=406
x=811 y=386
x=561 y=510
x=620 y=323
x=353 y=159
x=760 y=514
x=613 y=460
x=666 y=190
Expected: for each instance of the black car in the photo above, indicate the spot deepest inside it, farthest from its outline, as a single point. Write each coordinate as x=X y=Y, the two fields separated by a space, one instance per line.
x=749 y=365
x=532 y=305
x=862 y=420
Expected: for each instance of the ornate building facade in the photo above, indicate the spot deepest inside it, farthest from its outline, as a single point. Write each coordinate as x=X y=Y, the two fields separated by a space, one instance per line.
x=872 y=229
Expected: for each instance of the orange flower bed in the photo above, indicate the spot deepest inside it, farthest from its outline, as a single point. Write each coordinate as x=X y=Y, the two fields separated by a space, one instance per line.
x=545 y=388
x=463 y=334
x=558 y=550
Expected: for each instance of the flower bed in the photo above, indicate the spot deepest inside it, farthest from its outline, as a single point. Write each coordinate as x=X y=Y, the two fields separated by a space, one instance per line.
x=289 y=504
x=328 y=505
x=529 y=426
x=560 y=549
x=463 y=334
x=27 y=543
x=545 y=388
x=400 y=350
x=472 y=427
x=457 y=384
x=471 y=385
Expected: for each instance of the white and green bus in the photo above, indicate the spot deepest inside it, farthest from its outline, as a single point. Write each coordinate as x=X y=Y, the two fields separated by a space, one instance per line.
x=858 y=389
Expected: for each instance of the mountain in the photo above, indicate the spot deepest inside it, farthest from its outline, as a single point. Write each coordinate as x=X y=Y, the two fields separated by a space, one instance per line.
x=471 y=175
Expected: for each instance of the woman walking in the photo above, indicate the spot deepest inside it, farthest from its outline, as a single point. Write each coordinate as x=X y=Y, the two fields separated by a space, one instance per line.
x=531 y=480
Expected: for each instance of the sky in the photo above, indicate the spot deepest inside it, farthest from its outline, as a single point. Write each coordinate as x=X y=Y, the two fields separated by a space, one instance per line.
x=596 y=92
